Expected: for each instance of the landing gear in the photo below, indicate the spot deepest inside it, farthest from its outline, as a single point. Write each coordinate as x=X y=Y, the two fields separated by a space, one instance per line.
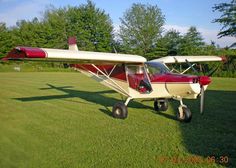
x=161 y=105
x=120 y=109
x=184 y=114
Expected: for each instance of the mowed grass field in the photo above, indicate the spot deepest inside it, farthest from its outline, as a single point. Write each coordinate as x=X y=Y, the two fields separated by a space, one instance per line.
x=58 y=119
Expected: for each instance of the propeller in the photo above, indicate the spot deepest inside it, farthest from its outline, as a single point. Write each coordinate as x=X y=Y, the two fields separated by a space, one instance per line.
x=203 y=80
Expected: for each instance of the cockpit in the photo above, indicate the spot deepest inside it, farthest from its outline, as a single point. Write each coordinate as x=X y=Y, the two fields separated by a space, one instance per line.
x=154 y=68
x=139 y=76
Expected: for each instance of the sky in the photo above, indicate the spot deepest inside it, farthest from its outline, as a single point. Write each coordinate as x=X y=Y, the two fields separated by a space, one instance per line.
x=179 y=14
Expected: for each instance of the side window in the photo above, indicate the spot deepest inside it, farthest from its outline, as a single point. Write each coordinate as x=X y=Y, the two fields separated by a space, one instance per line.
x=154 y=70
x=137 y=78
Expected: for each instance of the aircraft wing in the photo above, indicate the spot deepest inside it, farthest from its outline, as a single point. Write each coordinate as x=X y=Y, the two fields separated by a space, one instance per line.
x=70 y=56
x=184 y=59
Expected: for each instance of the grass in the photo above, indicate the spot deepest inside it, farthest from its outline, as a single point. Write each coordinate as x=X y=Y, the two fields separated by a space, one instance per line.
x=71 y=126
x=31 y=66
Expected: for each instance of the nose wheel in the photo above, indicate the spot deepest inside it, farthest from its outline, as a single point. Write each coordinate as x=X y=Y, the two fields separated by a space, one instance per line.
x=184 y=114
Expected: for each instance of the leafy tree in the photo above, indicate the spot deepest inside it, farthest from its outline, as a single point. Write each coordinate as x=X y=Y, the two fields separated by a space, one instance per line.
x=173 y=41
x=27 y=33
x=54 y=27
x=227 y=19
x=4 y=39
x=95 y=28
x=191 y=43
x=92 y=27
x=160 y=49
x=141 y=27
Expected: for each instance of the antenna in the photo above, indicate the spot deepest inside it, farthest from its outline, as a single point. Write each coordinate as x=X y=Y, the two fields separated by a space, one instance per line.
x=114 y=49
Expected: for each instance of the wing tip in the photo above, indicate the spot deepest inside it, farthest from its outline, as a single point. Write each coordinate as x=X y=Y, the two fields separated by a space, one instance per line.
x=223 y=59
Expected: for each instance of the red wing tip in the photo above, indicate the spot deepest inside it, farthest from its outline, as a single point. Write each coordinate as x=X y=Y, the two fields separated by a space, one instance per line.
x=223 y=58
x=72 y=40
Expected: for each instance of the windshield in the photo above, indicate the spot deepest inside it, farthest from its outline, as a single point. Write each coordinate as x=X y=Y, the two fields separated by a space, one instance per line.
x=156 y=68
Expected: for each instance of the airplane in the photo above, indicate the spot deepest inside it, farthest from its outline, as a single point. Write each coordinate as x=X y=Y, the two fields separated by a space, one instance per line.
x=130 y=75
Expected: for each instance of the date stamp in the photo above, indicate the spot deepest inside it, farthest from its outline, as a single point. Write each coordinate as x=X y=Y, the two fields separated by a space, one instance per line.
x=193 y=159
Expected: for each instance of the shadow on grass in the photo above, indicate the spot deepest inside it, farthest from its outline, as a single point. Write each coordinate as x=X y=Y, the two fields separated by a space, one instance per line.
x=89 y=97
x=213 y=134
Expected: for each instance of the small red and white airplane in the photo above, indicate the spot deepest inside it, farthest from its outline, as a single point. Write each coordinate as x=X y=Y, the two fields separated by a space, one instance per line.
x=130 y=75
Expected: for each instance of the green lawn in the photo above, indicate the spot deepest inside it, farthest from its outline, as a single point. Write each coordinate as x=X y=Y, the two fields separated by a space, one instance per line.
x=71 y=126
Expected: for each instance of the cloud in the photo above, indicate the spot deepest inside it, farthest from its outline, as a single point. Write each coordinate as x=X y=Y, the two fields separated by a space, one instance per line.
x=26 y=10
x=208 y=35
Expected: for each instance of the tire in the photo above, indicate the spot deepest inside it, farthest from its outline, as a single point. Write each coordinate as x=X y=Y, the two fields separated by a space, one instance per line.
x=161 y=105
x=120 y=110
x=187 y=115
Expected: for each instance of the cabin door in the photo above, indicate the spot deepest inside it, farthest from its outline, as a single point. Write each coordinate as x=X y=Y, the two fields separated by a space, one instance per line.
x=138 y=78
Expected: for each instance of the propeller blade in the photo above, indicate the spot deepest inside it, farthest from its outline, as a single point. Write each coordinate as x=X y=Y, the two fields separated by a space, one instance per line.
x=202 y=100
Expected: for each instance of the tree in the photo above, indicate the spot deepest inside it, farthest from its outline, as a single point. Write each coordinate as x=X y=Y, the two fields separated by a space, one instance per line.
x=160 y=49
x=173 y=41
x=91 y=25
x=227 y=19
x=191 y=43
x=55 y=27
x=141 y=27
x=95 y=28
x=4 y=36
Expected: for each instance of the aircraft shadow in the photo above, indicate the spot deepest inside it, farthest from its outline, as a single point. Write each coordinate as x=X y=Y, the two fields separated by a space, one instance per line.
x=95 y=97
x=212 y=134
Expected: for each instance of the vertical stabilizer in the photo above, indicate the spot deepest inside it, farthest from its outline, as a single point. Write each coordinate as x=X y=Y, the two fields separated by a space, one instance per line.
x=72 y=44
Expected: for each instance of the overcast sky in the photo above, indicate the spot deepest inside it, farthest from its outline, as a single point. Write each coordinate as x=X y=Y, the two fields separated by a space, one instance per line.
x=179 y=14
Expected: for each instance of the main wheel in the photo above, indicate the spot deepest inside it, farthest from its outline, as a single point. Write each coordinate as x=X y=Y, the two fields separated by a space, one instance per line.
x=186 y=115
x=161 y=105
x=119 y=110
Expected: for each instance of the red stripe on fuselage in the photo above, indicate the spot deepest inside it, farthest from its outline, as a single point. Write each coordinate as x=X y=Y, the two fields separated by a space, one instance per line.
x=172 y=78
x=119 y=73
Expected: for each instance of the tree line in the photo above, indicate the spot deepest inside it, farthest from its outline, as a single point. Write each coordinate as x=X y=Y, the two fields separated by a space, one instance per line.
x=141 y=32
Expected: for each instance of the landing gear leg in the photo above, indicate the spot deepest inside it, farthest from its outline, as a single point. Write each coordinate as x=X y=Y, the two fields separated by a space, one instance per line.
x=184 y=114
x=120 y=109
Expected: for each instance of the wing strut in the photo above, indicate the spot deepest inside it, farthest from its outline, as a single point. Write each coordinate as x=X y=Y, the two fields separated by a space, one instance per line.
x=108 y=77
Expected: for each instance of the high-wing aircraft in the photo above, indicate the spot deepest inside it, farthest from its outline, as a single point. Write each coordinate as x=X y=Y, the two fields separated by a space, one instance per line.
x=130 y=75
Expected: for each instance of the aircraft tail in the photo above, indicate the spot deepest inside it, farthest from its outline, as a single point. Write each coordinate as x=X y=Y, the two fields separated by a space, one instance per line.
x=72 y=44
